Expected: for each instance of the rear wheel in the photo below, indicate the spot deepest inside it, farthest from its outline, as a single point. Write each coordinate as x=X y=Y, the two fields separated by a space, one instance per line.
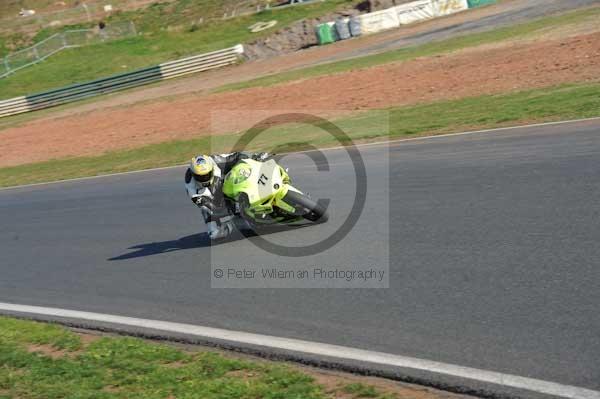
x=306 y=207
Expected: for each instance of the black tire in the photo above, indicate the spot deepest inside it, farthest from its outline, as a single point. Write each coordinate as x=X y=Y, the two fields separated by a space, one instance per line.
x=245 y=204
x=308 y=208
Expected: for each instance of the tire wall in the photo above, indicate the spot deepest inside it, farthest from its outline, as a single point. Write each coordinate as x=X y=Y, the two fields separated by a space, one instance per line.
x=394 y=14
x=480 y=3
x=343 y=28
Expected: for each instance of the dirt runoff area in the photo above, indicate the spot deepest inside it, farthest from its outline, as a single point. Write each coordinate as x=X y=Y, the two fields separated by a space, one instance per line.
x=505 y=68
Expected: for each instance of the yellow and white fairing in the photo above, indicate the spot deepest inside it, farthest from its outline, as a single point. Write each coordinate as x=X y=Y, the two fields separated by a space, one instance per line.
x=264 y=183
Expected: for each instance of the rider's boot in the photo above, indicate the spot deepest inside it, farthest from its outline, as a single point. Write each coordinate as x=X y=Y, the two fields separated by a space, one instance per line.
x=221 y=228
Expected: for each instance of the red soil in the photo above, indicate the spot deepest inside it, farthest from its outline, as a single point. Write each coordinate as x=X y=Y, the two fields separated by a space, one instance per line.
x=469 y=73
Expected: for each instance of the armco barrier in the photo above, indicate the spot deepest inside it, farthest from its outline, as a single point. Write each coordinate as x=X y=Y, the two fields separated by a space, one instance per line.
x=167 y=70
x=415 y=11
x=447 y=7
x=378 y=21
x=409 y=13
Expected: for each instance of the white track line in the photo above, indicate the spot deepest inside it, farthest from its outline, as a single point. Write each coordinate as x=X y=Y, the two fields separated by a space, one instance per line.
x=319 y=349
x=398 y=141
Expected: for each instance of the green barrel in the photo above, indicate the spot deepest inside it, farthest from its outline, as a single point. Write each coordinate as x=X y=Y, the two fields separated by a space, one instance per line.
x=479 y=3
x=325 y=34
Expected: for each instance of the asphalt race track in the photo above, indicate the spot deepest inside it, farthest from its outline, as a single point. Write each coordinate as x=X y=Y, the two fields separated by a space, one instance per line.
x=494 y=257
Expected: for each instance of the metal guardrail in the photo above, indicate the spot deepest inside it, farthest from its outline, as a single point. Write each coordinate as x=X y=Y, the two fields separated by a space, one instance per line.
x=60 y=41
x=167 y=70
x=93 y=10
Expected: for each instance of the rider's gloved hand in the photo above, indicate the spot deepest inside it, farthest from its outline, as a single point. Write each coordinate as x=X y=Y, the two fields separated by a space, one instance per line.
x=261 y=156
x=197 y=199
x=203 y=202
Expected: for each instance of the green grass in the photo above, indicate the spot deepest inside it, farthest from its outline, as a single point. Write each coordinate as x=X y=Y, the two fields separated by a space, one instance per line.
x=550 y=104
x=360 y=390
x=46 y=361
x=158 y=41
x=138 y=52
x=159 y=16
x=11 y=8
x=434 y=48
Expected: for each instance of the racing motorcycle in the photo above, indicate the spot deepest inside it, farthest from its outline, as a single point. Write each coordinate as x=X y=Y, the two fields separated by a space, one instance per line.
x=259 y=193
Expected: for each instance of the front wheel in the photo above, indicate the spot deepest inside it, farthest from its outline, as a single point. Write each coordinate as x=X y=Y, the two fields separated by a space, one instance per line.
x=306 y=207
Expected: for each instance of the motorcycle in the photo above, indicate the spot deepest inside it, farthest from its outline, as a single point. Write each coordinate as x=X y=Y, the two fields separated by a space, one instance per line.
x=260 y=193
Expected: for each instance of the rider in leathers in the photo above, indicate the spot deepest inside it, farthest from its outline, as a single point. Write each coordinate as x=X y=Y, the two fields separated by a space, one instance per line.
x=204 y=184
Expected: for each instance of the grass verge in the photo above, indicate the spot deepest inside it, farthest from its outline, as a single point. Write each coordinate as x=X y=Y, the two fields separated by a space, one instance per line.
x=549 y=104
x=445 y=46
x=166 y=32
x=46 y=361
x=434 y=48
